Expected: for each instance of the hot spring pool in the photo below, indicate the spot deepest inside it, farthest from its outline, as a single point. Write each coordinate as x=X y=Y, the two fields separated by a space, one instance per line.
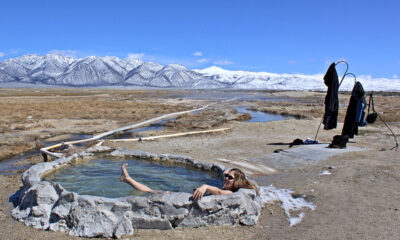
x=71 y=207
x=100 y=177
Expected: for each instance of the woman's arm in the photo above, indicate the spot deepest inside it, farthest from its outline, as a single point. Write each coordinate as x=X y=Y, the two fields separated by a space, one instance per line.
x=137 y=185
x=199 y=192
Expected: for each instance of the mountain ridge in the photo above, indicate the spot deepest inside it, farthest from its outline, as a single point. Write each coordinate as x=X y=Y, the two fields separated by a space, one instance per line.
x=94 y=71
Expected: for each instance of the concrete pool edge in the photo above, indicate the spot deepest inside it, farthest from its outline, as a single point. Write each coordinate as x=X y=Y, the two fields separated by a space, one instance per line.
x=48 y=206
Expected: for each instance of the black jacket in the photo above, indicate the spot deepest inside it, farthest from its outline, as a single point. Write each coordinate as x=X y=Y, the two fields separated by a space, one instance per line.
x=350 y=126
x=331 y=99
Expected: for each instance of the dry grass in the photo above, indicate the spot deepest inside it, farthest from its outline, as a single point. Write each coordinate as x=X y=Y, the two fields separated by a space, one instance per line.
x=29 y=115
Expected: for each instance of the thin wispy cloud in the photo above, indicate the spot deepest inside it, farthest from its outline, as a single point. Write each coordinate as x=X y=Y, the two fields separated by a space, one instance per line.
x=204 y=60
x=67 y=53
x=395 y=76
x=223 y=62
x=10 y=53
x=135 y=55
x=198 y=54
x=292 y=61
x=163 y=60
x=141 y=56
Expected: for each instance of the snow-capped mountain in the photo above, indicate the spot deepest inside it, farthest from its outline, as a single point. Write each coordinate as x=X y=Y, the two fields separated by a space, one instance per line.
x=54 y=69
x=35 y=67
x=89 y=71
x=142 y=74
x=264 y=80
x=274 y=81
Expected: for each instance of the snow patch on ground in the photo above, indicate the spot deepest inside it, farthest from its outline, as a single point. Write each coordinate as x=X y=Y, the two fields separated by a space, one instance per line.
x=270 y=194
x=325 y=172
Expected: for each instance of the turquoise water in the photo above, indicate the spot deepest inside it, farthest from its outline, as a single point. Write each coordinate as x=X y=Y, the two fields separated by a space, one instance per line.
x=100 y=177
x=257 y=116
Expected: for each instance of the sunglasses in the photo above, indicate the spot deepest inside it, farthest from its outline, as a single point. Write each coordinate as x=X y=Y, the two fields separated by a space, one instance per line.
x=228 y=176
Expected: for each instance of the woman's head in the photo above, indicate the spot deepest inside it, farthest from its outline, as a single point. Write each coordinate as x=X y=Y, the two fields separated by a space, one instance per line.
x=229 y=180
x=234 y=179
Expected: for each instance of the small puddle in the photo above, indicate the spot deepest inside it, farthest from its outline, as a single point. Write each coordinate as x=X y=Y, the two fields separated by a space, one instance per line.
x=11 y=166
x=8 y=166
x=100 y=177
x=258 y=116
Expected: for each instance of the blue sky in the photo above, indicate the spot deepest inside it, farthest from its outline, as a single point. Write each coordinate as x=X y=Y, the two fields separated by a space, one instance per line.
x=287 y=36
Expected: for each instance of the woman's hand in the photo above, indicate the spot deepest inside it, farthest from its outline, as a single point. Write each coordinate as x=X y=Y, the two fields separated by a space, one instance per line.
x=199 y=192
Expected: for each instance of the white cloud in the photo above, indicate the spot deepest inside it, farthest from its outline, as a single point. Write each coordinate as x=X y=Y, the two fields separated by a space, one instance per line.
x=67 y=53
x=395 y=76
x=2 y=54
x=292 y=61
x=204 y=60
x=198 y=54
x=365 y=77
x=135 y=55
x=223 y=62
x=141 y=56
x=164 y=60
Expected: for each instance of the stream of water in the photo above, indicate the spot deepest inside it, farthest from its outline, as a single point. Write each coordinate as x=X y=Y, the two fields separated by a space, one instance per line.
x=257 y=116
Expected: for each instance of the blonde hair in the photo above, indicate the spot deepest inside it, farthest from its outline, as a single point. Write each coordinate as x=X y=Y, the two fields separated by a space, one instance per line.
x=241 y=180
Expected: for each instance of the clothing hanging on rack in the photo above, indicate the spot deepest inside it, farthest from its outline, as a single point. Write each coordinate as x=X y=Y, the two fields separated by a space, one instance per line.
x=355 y=115
x=331 y=80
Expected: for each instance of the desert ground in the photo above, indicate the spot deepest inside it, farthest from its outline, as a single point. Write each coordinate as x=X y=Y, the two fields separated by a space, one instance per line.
x=359 y=200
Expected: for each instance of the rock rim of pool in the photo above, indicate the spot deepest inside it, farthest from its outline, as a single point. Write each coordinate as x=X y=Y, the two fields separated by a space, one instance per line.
x=47 y=205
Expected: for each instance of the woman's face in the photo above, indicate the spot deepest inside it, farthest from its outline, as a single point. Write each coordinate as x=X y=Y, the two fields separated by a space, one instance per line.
x=229 y=179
